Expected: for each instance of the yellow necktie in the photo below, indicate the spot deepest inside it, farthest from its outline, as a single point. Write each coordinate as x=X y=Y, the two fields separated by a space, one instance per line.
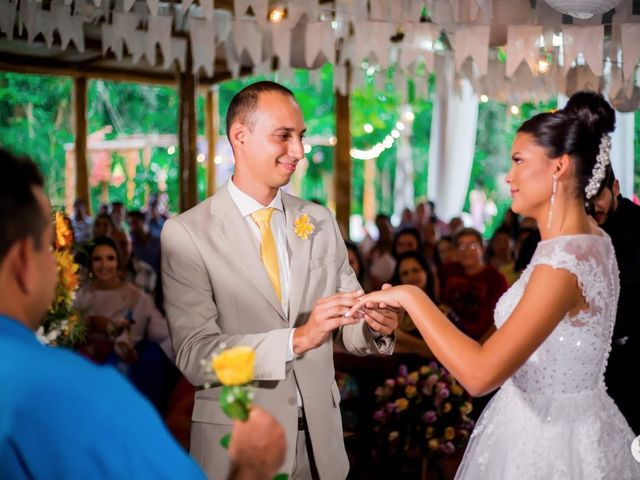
x=268 y=252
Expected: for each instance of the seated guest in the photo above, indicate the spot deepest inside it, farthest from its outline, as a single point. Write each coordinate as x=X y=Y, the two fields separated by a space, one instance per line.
x=471 y=287
x=103 y=226
x=412 y=269
x=81 y=221
x=406 y=240
x=380 y=260
x=357 y=264
x=146 y=247
x=155 y=217
x=445 y=252
x=141 y=347
x=136 y=271
x=501 y=255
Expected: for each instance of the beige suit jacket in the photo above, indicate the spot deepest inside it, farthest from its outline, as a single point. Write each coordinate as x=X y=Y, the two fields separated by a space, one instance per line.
x=217 y=291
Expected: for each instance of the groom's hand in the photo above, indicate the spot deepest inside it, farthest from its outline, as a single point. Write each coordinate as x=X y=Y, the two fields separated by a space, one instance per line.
x=326 y=316
x=382 y=318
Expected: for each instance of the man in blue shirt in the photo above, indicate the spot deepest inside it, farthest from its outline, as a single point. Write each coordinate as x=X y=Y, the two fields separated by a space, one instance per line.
x=60 y=416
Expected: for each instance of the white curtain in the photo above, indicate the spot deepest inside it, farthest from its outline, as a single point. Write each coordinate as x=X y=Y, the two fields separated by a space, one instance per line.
x=453 y=139
x=403 y=191
x=622 y=152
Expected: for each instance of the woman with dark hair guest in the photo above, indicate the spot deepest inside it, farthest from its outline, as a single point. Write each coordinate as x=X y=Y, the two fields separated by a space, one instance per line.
x=356 y=262
x=412 y=269
x=125 y=327
x=406 y=240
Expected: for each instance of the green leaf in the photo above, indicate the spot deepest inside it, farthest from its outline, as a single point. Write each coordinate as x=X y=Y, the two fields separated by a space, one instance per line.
x=235 y=402
x=224 y=441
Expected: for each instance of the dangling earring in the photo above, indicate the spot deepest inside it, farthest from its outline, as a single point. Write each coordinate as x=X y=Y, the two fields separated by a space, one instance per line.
x=553 y=201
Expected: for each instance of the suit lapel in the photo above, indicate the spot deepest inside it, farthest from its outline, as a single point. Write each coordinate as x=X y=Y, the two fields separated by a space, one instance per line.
x=300 y=252
x=241 y=246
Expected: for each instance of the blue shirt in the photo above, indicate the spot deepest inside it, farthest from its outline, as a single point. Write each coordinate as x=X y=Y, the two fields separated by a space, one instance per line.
x=62 y=417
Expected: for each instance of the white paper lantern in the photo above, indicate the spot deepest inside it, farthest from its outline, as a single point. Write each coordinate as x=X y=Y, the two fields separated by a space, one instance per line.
x=583 y=9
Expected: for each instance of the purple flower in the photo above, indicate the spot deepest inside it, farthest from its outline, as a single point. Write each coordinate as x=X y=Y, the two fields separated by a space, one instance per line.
x=379 y=392
x=379 y=415
x=430 y=416
x=402 y=371
x=390 y=382
x=432 y=380
x=447 y=447
x=390 y=407
x=444 y=393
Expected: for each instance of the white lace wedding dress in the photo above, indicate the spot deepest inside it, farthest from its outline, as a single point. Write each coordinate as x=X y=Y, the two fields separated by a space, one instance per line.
x=553 y=418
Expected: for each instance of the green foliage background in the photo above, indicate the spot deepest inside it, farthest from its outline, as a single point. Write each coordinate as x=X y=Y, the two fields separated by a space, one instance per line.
x=35 y=119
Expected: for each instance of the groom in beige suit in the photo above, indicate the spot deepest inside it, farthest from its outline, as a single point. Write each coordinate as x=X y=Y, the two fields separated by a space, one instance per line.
x=237 y=270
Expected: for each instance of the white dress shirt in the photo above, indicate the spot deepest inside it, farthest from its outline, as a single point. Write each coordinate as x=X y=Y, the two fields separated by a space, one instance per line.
x=248 y=205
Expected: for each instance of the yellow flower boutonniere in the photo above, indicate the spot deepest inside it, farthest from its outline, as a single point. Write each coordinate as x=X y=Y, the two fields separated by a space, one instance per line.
x=302 y=227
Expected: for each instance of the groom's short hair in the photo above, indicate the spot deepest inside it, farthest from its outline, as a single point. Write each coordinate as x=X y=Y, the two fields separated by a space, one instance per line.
x=21 y=215
x=244 y=102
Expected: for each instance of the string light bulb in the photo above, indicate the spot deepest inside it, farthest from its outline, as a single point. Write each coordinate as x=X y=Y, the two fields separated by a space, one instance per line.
x=277 y=14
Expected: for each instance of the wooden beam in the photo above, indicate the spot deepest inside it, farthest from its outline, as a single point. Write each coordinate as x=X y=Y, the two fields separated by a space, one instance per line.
x=187 y=130
x=137 y=74
x=342 y=163
x=212 y=126
x=80 y=123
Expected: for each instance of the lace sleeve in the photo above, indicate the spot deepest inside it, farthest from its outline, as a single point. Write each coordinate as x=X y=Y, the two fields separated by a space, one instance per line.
x=584 y=257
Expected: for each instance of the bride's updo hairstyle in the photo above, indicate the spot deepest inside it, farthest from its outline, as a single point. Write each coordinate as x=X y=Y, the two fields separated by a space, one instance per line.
x=580 y=130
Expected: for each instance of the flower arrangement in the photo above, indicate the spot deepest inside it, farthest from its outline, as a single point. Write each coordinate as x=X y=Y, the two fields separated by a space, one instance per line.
x=63 y=325
x=423 y=413
x=233 y=369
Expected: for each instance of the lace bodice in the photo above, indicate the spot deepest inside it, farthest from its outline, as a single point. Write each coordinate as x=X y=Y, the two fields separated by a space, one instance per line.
x=573 y=358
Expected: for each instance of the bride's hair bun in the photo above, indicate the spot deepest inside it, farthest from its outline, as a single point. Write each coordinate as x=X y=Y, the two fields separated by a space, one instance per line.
x=593 y=111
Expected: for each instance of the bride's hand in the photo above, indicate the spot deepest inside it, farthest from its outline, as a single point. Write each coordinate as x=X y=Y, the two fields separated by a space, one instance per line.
x=390 y=297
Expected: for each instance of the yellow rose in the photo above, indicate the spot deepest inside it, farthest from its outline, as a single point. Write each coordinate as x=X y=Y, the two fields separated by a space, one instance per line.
x=433 y=444
x=393 y=435
x=234 y=366
x=449 y=433
x=413 y=377
x=447 y=407
x=402 y=404
x=410 y=391
x=424 y=370
x=429 y=432
x=456 y=390
x=401 y=381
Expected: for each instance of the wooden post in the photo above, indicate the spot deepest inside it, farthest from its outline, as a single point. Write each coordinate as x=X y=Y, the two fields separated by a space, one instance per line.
x=342 y=163
x=80 y=123
x=212 y=126
x=187 y=139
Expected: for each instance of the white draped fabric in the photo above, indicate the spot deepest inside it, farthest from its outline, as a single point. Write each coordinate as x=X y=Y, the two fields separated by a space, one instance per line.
x=453 y=138
x=403 y=191
x=622 y=152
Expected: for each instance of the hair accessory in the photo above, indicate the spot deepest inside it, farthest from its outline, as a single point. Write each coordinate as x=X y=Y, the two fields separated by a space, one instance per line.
x=599 y=169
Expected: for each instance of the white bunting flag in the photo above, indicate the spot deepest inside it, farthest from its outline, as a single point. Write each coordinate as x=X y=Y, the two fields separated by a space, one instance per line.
x=472 y=41
x=586 y=40
x=523 y=45
x=319 y=39
x=248 y=37
x=8 y=17
x=372 y=37
x=630 y=49
x=203 y=45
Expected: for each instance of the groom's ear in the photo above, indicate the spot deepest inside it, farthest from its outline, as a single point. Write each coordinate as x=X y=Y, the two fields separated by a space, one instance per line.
x=237 y=134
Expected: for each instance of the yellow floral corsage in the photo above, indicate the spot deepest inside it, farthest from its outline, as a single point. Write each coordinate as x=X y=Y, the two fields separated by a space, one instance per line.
x=302 y=227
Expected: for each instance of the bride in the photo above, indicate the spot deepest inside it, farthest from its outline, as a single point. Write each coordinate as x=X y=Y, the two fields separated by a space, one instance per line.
x=552 y=418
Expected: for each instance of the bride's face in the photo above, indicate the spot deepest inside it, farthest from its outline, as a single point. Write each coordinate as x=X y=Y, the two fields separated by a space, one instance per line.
x=530 y=178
